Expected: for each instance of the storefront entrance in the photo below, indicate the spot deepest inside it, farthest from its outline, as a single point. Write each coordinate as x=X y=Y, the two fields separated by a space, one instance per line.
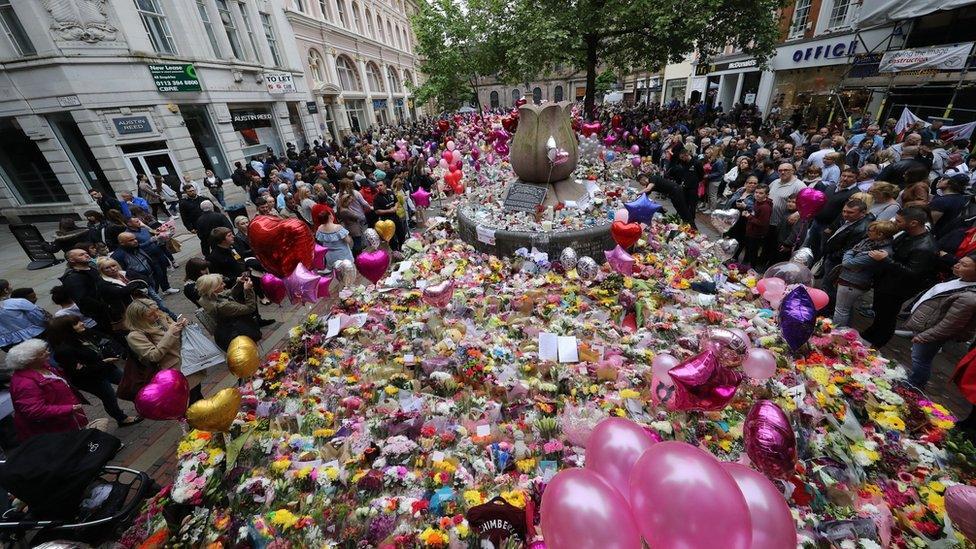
x=152 y=159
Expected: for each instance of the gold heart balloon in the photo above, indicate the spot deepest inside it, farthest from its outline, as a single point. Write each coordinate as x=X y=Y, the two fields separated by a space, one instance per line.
x=243 y=356
x=385 y=228
x=215 y=413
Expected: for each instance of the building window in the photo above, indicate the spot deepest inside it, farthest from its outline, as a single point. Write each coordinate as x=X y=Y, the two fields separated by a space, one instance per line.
x=356 y=111
x=154 y=20
x=379 y=28
x=557 y=94
x=230 y=28
x=516 y=95
x=269 y=34
x=494 y=100
x=347 y=75
x=391 y=75
x=208 y=26
x=407 y=79
x=14 y=30
x=801 y=17
x=341 y=10
x=356 y=18
x=369 y=24
x=27 y=171
x=300 y=4
x=373 y=78
x=838 y=14
x=399 y=36
x=324 y=8
x=389 y=32
x=537 y=95
x=316 y=67
x=250 y=31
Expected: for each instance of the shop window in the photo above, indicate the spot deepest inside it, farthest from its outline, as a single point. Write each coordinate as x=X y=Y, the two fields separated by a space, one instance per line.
x=494 y=100
x=80 y=154
x=204 y=138
x=801 y=18
x=25 y=169
x=256 y=130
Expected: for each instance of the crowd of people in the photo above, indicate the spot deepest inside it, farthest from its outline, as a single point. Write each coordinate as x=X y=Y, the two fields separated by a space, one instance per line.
x=895 y=241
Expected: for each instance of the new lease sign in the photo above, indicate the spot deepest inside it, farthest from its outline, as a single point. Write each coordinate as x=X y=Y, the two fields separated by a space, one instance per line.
x=175 y=77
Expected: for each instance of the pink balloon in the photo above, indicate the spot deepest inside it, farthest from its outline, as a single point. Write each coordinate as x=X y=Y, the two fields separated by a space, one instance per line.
x=773 y=526
x=447 y=155
x=581 y=510
x=421 y=198
x=439 y=295
x=819 y=297
x=635 y=161
x=809 y=202
x=634 y=149
x=443 y=164
x=451 y=146
x=165 y=397
x=761 y=286
x=302 y=285
x=661 y=364
x=960 y=502
x=318 y=257
x=621 y=215
x=769 y=439
x=775 y=284
x=431 y=161
x=620 y=260
x=682 y=497
x=613 y=448
x=741 y=334
x=759 y=363
x=701 y=383
x=273 y=287
x=373 y=264
x=323 y=287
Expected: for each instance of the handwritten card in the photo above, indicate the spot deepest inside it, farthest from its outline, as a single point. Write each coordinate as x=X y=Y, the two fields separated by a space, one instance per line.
x=568 y=349
x=548 y=346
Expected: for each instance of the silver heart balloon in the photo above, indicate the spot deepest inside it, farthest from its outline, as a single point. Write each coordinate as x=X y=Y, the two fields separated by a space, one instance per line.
x=586 y=268
x=724 y=248
x=723 y=220
x=345 y=272
x=803 y=256
x=568 y=258
x=372 y=239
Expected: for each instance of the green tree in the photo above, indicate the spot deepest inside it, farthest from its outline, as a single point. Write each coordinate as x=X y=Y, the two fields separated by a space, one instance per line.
x=605 y=81
x=527 y=38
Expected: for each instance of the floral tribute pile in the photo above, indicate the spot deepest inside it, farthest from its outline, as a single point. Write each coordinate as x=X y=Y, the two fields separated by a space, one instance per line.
x=420 y=426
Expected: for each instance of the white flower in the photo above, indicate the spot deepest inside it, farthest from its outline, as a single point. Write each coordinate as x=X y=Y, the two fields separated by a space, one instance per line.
x=868 y=543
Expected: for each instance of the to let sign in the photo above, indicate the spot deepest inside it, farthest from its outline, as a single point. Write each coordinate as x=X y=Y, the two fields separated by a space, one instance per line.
x=132 y=124
x=524 y=197
x=175 y=77
x=279 y=82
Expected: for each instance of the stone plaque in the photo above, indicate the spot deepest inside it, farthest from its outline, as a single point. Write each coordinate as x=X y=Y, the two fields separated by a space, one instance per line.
x=524 y=197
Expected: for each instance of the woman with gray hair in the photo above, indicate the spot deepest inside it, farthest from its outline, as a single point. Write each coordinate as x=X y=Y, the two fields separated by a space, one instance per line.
x=44 y=401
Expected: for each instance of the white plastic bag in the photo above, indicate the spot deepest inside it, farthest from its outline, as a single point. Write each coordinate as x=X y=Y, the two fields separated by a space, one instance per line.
x=199 y=352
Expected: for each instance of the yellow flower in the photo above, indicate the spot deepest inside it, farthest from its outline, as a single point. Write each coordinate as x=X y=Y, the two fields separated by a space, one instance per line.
x=725 y=445
x=819 y=374
x=473 y=497
x=620 y=412
x=629 y=393
x=323 y=433
x=313 y=317
x=515 y=498
x=390 y=390
x=332 y=473
x=462 y=530
x=280 y=465
x=525 y=465
x=284 y=518
x=433 y=538
x=303 y=472
x=445 y=466
x=890 y=420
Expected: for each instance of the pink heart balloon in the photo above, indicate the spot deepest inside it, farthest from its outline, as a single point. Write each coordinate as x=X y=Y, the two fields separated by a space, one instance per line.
x=613 y=448
x=373 y=264
x=302 y=285
x=273 y=287
x=165 y=397
x=580 y=509
x=769 y=439
x=439 y=295
x=773 y=526
x=701 y=383
x=323 y=289
x=318 y=257
x=960 y=502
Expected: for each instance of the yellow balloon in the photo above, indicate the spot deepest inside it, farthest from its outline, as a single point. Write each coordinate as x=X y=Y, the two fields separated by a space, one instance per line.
x=385 y=228
x=215 y=413
x=243 y=356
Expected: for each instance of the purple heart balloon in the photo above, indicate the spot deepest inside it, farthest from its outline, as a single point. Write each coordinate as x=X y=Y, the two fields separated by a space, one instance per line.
x=273 y=287
x=701 y=383
x=373 y=264
x=769 y=439
x=323 y=288
x=302 y=285
x=797 y=317
x=318 y=257
x=165 y=397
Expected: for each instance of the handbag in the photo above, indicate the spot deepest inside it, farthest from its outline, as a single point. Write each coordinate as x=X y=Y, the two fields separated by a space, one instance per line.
x=197 y=351
x=135 y=376
x=173 y=245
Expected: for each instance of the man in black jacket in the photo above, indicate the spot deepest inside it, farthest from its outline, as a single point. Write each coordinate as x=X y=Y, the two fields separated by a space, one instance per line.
x=687 y=173
x=80 y=280
x=106 y=203
x=846 y=231
x=190 y=207
x=837 y=197
x=909 y=270
x=139 y=265
x=207 y=222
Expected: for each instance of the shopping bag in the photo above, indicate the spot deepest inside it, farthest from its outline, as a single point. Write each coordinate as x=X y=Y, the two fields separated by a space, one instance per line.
x=198 y=352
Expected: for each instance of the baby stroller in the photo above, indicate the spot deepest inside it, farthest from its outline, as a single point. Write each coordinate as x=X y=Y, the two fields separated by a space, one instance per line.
x=66 y=490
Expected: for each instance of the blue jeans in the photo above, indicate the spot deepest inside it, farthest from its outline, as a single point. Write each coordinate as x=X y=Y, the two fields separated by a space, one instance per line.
x=922 y=356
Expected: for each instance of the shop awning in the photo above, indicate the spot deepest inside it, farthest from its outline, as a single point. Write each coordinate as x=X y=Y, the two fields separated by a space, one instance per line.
x=885 y=12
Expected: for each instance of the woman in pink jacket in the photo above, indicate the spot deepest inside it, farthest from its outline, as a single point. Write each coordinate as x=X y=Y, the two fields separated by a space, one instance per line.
x=43 y=400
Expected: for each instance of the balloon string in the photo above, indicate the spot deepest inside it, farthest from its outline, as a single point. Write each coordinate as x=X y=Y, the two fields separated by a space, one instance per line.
x=801 y=232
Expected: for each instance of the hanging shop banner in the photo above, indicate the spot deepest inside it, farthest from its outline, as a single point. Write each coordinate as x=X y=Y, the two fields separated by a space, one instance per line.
x=279 y=82
x=941 y=58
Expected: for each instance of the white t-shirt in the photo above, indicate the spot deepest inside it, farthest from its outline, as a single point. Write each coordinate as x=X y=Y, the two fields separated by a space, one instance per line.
x=74 y=310
x=816 y=158
x=941 y=289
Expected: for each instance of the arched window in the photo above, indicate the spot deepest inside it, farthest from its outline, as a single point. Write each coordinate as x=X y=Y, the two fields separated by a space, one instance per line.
x=369 y=24
x=356 y=18
x=379 y=28
x=516 y=95
x=537 y=95
x=394 y=80
x=557 y=94
x=407 y=78
x=348 y=79
x=373 y=78
x=316 y=66
x=399 y=36
x=324 y=8
x=389 y=32
x=341 y=10
x=494 y=100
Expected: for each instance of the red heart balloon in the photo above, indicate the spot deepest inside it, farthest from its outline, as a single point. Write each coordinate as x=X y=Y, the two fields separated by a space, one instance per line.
x=625 y=234
x=591 y=128
x=281 y=244
x=510 y=123
x=443 y=125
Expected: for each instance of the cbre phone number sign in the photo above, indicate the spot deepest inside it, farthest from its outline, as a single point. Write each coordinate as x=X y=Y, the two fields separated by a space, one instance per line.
x=175 y=77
